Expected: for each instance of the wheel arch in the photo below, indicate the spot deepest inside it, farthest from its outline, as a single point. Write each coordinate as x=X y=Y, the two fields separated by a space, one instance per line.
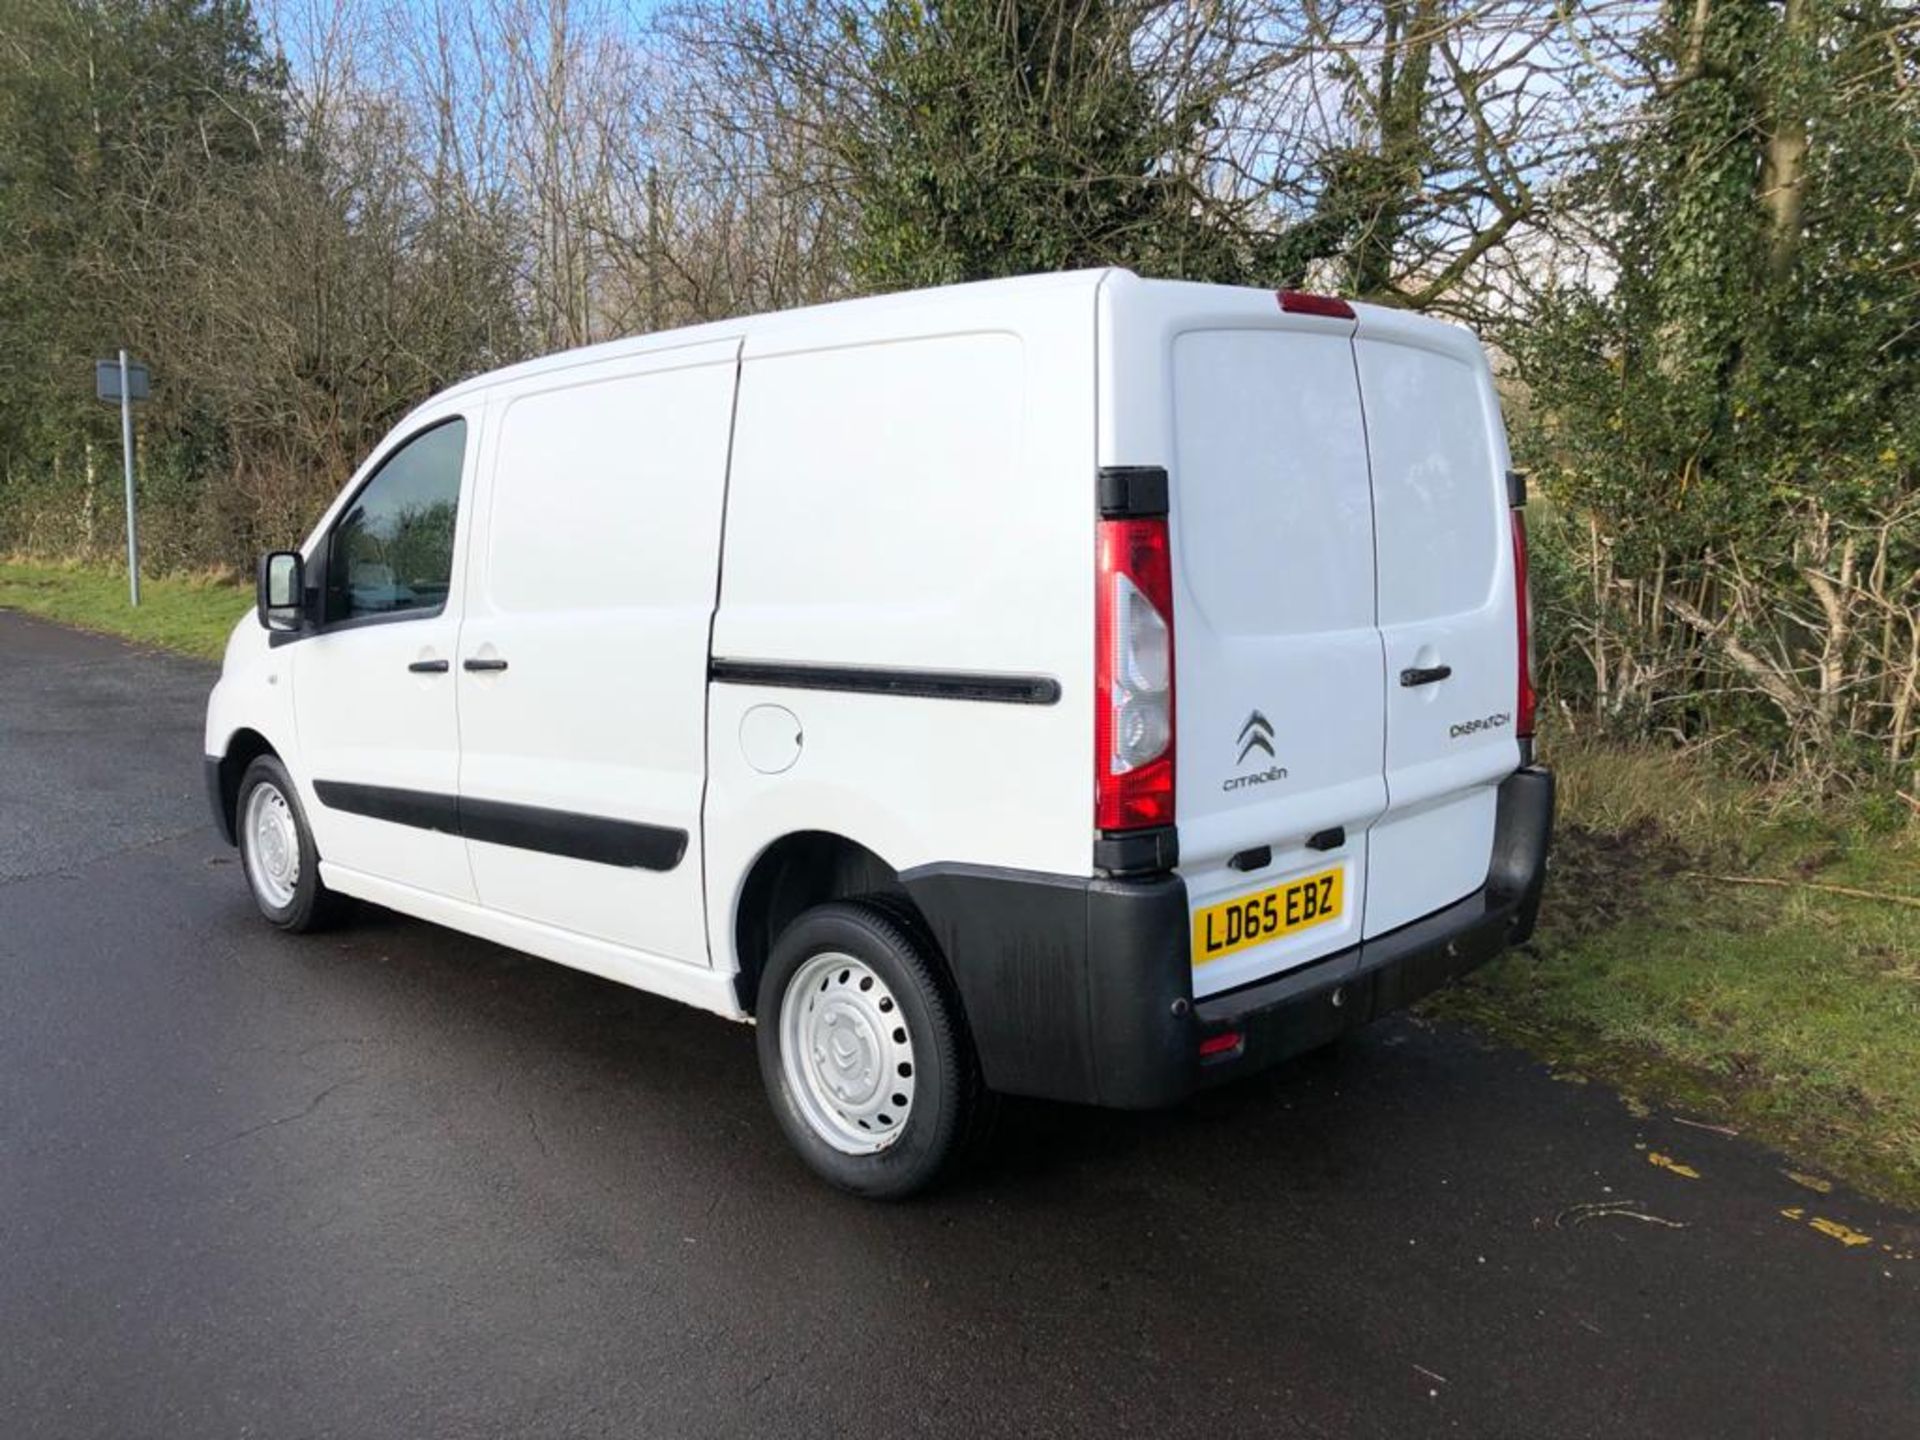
x=244 y=746
x=794 y=873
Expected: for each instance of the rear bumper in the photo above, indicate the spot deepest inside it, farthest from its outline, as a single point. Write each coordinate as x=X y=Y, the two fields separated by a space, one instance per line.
x=1081 y=990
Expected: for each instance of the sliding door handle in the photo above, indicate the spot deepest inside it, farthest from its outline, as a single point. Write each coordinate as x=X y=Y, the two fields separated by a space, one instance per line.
x=428 y=667
x=1424 y=674
x=483 y=665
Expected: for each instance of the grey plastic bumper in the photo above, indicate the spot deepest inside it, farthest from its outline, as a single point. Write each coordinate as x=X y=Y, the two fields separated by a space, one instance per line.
x=1081 y=989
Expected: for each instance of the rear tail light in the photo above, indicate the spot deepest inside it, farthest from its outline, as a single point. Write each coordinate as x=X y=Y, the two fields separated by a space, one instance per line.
x=1133 y=673
x=1525 y=701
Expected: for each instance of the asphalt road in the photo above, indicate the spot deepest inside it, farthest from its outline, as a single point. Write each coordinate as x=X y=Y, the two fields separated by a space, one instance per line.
x=395 y=1182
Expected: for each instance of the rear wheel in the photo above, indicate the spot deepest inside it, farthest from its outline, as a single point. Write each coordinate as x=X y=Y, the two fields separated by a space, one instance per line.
x=863 y=1052
x=277 y=850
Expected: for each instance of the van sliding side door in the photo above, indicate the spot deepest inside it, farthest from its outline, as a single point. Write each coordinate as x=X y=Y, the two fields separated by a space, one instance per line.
x=583 y=657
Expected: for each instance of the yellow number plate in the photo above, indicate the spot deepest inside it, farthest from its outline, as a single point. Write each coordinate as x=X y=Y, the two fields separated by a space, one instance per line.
x=1265 y=915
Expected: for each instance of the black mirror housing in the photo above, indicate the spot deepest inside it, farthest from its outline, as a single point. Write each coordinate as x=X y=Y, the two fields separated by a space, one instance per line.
x=280 y=591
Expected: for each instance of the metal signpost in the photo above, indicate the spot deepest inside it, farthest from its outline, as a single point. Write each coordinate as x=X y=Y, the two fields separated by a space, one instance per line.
x=126 y=381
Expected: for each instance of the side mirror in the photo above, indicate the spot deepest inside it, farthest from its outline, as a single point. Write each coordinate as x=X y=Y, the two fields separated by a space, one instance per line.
x=280 y=590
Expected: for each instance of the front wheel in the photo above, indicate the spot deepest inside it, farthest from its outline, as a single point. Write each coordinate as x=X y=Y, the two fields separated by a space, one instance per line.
x=277 y=850
x=863 y=1052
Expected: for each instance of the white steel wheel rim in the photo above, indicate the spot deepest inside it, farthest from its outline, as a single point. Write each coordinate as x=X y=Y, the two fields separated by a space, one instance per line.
x=273 y=845
x=847 y=1054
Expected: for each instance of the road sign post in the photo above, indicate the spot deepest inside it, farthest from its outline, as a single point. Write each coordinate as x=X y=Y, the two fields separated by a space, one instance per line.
x=125 y=381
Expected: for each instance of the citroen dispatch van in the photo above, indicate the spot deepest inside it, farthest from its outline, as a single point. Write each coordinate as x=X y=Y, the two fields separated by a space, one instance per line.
x=1080 y=686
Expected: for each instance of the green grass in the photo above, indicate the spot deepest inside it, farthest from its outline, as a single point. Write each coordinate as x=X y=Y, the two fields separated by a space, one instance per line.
x=1791 y=1013
x=191 y=614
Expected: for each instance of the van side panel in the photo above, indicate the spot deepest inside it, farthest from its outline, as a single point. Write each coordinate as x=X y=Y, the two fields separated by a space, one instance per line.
x=909 y=494
x=877 y=506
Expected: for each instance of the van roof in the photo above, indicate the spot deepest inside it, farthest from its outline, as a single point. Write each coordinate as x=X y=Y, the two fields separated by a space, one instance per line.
x=860 y=315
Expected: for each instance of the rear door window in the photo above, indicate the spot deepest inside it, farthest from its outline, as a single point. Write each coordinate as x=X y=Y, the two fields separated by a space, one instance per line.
x=1435 y=503
x=1276 y=519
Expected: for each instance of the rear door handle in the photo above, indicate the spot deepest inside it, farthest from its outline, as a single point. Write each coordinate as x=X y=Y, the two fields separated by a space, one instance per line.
x=1424 y=674
x=428 y=667
x=483 y=665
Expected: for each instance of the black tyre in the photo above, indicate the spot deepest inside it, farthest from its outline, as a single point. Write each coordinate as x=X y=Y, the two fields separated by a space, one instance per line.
x=277 y=850
x=864 y=1052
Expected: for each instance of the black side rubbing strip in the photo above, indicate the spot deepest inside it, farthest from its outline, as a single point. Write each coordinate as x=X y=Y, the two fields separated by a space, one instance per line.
x=874 y=680
x=421 y=809
x=1132 y=492
x=627 y=843
x=581 y=837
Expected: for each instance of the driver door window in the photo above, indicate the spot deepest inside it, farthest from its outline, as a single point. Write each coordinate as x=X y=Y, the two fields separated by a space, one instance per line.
x=391 y=553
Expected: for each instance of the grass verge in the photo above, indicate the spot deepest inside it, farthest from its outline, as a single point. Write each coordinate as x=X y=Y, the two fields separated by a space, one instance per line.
x=1786 y=1010
x=191 y=614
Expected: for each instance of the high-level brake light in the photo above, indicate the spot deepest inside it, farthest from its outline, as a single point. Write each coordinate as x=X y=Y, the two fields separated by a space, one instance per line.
x=1299 y=302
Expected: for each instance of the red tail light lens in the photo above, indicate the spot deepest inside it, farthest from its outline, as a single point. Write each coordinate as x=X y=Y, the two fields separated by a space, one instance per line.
x=1225 y=1042
x=1525 y=702
x=1298 y=302
x=1133 y=674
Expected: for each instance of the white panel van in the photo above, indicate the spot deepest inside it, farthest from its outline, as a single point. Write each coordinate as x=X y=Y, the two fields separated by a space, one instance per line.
x=1080 y=686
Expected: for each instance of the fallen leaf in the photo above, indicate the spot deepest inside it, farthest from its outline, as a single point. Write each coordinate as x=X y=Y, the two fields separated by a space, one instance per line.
x=1845 y=1234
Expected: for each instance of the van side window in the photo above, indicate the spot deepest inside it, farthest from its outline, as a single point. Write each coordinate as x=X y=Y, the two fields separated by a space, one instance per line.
x=392 y=551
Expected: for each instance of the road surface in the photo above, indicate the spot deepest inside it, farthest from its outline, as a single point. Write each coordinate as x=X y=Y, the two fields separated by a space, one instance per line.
x=395 y=1182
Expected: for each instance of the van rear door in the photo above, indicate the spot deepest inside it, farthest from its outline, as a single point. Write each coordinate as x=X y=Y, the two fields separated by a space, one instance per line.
x=1278 y=674
x=1443 y=540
